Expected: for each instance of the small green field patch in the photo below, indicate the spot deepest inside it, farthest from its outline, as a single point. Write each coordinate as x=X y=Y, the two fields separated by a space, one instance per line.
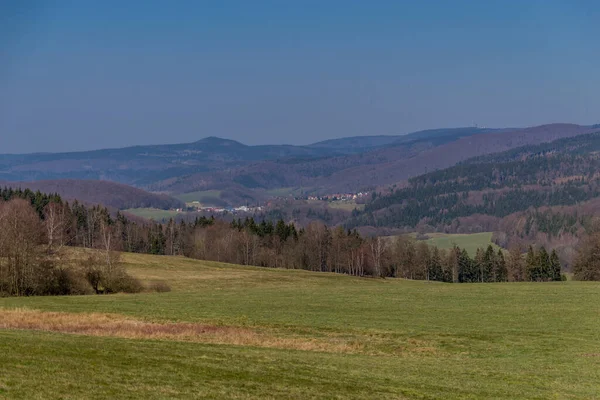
x=203 y=196
x=345 y=205
x=469 y=241
x=153 y=213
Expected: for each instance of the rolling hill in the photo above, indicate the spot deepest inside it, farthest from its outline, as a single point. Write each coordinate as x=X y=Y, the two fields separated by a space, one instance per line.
x=110 y=194
x=545 y=194
x=244 y=173
x=562 y=172
x=141 y=165
x=375 y=166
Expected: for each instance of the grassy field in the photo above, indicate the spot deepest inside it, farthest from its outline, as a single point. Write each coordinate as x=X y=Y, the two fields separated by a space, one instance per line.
x=470 y=242
x=242 y=332
x=205 y=197
x=284 y=192
x=345 y=205
x=152 y=213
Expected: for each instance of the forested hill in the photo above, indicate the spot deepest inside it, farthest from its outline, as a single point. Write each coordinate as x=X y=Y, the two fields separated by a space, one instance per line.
x=109 y=194
x=559 y=173
x=341 y=165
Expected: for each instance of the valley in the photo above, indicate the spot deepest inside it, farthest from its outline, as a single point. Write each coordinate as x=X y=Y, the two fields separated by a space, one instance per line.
x=303 y=183
x=533 y=185
x=299 y=200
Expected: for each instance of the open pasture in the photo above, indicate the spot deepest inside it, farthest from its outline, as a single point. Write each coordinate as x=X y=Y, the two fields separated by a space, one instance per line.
x=228 y=331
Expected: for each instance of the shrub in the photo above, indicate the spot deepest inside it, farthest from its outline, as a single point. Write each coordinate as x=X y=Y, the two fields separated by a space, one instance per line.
x=422 y=236
x=160 y=287
x=121 y=282
x=66 y=281
x=105 y=279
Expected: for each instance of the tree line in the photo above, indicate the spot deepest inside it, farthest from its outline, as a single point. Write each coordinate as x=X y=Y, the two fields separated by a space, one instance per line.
x=35 y=227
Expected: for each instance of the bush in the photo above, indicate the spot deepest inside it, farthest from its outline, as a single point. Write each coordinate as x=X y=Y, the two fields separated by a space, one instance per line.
x=160 y=287
x=66 y=281
x=122 y=282
x=106 y=279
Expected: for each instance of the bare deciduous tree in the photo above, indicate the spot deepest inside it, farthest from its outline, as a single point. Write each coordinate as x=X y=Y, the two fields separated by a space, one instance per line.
x=55 y=222
x=21 y=236
x=377 y=247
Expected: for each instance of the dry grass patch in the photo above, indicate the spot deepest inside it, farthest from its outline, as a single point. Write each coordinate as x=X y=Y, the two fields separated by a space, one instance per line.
x=96 y=324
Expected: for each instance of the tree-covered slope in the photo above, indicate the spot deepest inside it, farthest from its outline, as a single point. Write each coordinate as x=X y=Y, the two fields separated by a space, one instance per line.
x=563 y=172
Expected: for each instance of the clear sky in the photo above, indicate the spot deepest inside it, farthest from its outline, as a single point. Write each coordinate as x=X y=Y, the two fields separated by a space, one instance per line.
x=92 y=74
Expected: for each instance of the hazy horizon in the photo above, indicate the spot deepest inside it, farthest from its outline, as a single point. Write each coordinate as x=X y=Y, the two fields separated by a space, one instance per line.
x=78 y=77
x=284 y=143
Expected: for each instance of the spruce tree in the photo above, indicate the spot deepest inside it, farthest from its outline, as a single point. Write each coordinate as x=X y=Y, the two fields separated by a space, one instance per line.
x=435 y=266
x=555 y=266
x=500 y=270
x=467 y=270
x=489 y=260
x=531 y=265
x=479 y=265
x=545 y=273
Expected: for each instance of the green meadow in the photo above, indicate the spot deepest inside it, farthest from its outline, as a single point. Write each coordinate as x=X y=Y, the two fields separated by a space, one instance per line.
x=295 y=334
x=205 y=197
x=152 y=213
x=469 y=241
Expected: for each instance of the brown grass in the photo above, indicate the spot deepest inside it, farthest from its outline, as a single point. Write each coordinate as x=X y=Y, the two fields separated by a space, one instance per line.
x=96 y=324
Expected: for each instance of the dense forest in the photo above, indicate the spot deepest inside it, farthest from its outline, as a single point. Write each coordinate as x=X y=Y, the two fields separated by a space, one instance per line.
x=560 y=173
x=36 y=227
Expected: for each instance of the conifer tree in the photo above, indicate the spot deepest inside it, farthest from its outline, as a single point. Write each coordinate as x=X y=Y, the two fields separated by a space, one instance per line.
x=531 y=265
x=489 y=259
x=555 y=266
x=479 y=265
x=500 y=270
x=544 y=272
x=467 y=270
x=435 y=272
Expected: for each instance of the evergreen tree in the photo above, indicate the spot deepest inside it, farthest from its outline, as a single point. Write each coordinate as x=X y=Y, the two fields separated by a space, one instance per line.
x=555 y=266
x=489 y=259
x=282 y=230
x=478 y=265
x=435 y=272
x=467 y=269
x=531 y=265
x=500 y=269
x=544 y=270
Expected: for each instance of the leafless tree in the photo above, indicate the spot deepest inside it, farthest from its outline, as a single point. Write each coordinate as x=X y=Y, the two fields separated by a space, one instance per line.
x=19 y=243
x=55 y=222
x=377 y=247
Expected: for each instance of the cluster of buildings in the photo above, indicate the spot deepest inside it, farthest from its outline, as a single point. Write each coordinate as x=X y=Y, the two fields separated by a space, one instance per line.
x=221 y=210
x=339 y=196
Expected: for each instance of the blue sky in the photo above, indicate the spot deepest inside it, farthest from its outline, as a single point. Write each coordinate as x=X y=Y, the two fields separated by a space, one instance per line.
x=85 y=74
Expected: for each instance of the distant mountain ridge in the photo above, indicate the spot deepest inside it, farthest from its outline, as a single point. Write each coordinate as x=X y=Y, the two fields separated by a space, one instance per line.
x=346 y=164
x=361 y=142
x=373 y=167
